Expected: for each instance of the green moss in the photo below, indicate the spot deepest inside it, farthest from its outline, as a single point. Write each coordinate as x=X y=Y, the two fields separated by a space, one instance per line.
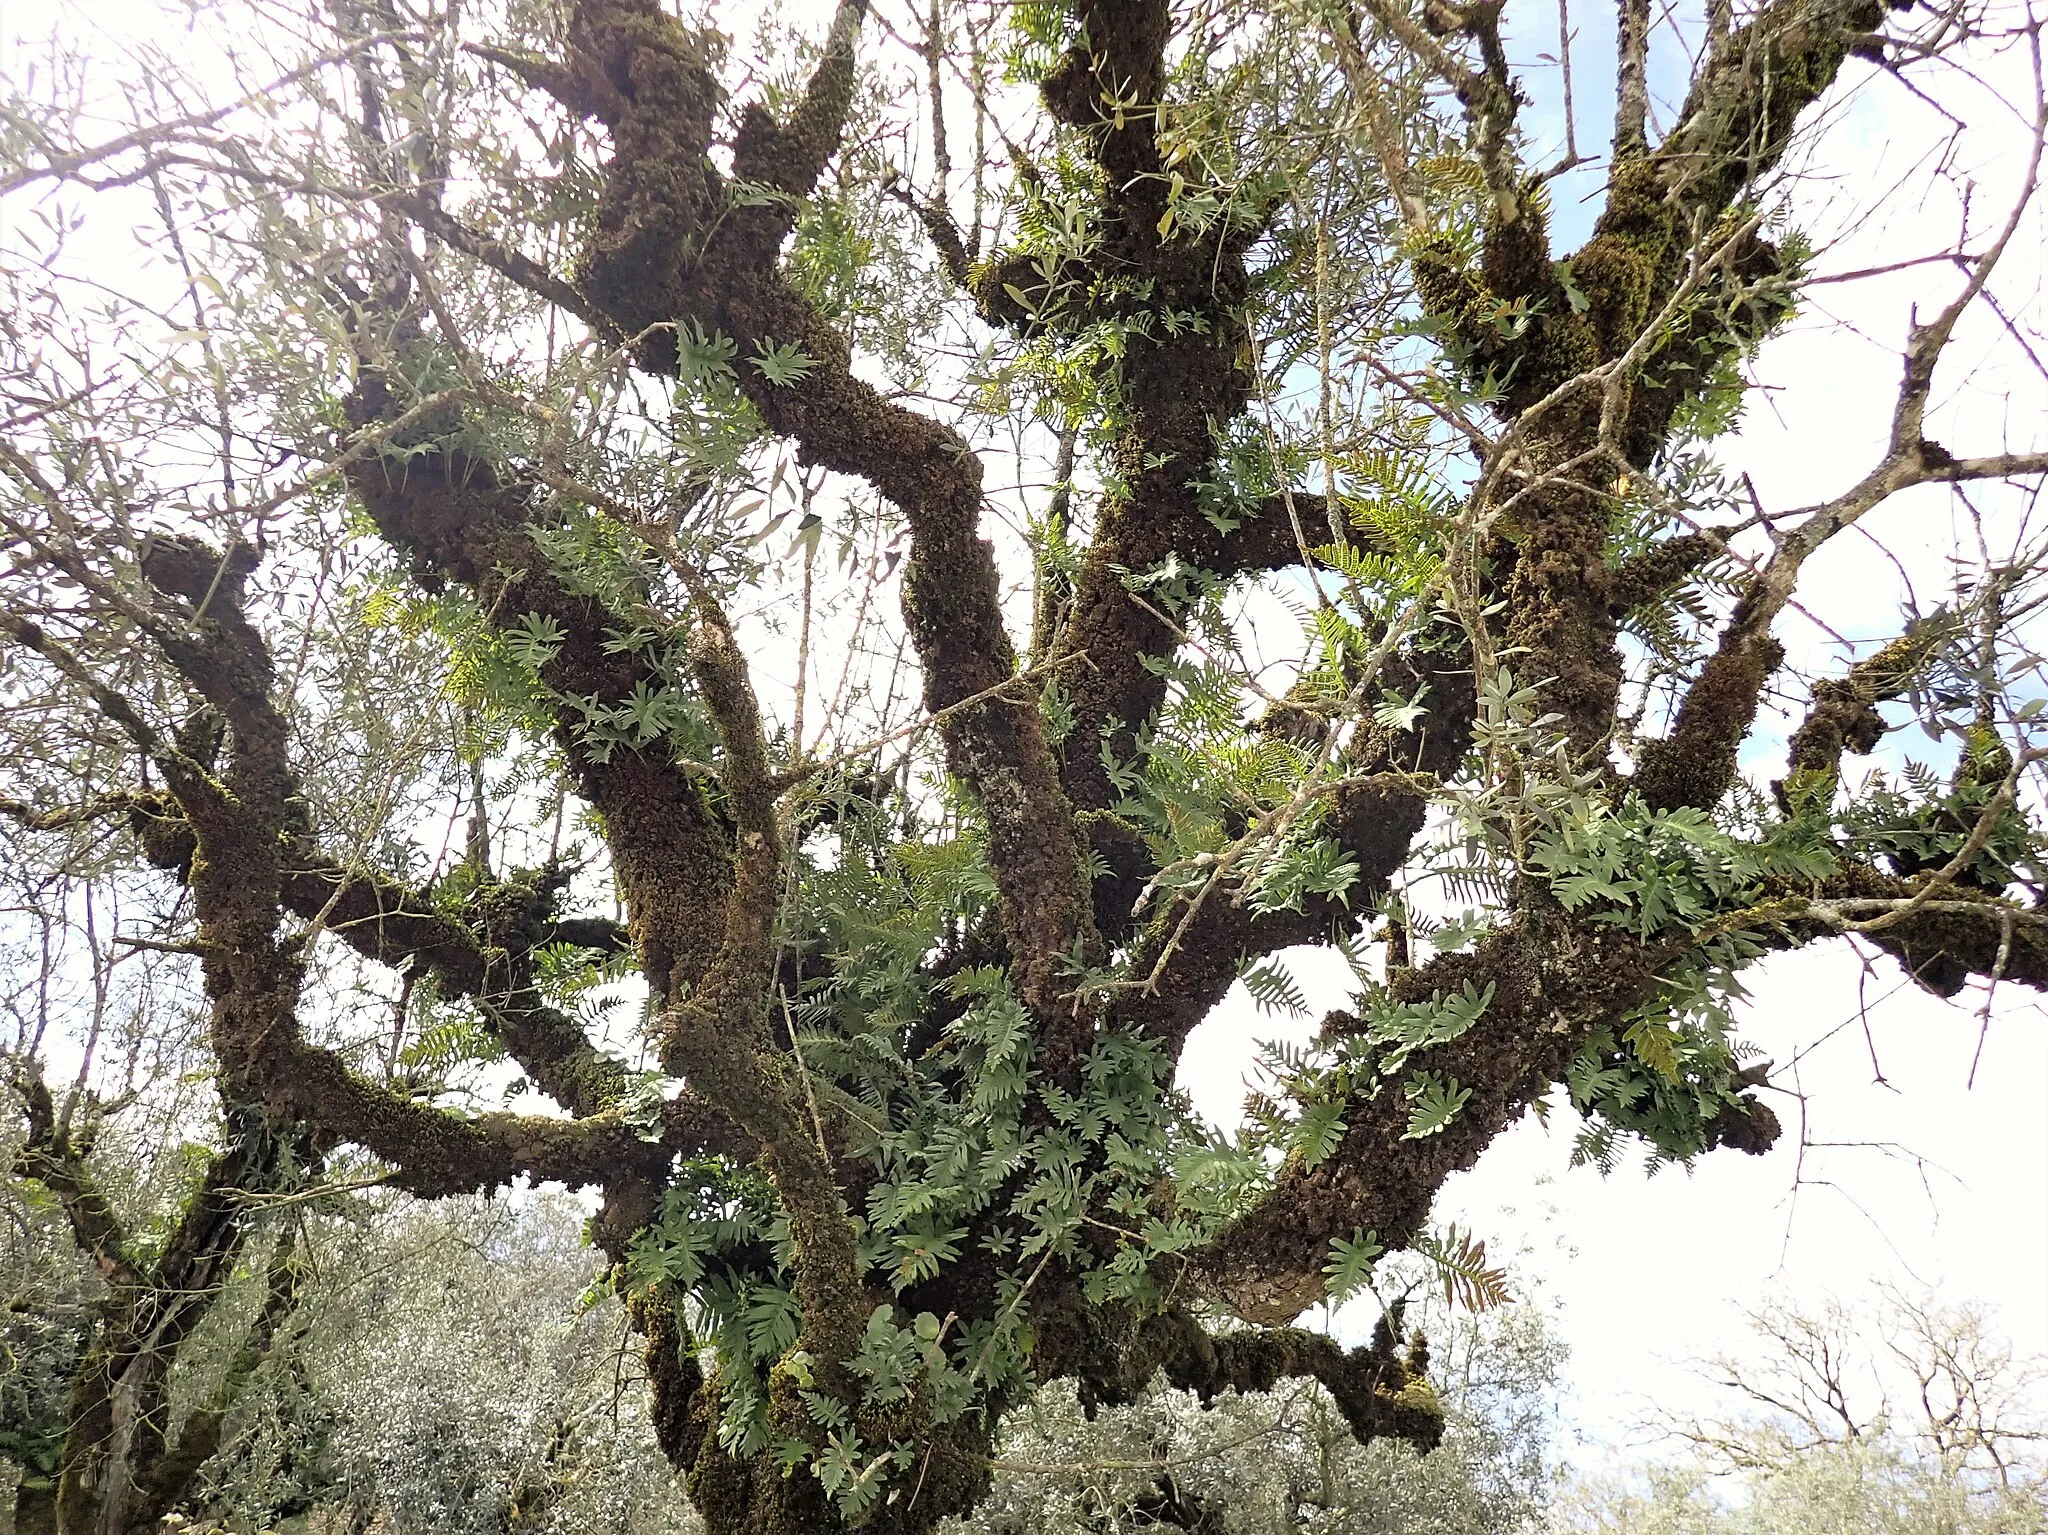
x=1695 y=764
x=1630 y=259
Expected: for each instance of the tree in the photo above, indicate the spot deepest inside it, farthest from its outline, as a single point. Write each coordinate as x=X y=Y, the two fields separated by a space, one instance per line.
x=1287 y=1461
x=454 y=1373
x=428 y=466
x=119 y=1254
x=1923 y=1421
x=104 y=1454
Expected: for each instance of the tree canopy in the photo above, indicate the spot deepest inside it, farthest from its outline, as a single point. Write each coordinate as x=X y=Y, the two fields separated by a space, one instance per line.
x=601 y=597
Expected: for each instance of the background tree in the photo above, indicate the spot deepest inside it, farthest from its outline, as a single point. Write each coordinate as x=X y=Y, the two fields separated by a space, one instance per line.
x=107 y=1455
x=1287 y=1461
x=1916 y=1418
x=452 y=1372
x=129 y=1214
x=433 y=473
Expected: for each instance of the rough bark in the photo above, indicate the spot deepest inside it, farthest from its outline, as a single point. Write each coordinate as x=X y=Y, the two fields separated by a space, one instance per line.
x=1673 y=283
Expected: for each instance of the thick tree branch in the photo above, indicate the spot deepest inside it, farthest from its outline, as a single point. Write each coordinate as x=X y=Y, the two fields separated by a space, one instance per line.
x=63 y=817
x=1192 y=951
x=791 y=154
x=1380 y=1390
x=1943 y=470
x=1696 y=765
x=1844 y=716
x=635 y=268
x=499 y=257
x=1661 y=568
x=1552 y=981
x=462 y=521
x=484 y=953
x=253 y=973
x=719 y=1036
x=1177 y=386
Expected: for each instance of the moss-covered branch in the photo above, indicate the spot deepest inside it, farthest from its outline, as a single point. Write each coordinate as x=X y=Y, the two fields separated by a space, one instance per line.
x=484 y=950
x=117 y=1469
x=1379 y=1387
x=241 y=829
x=671 y=245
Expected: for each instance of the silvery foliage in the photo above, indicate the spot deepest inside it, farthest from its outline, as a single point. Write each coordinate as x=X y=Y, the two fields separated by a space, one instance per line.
x=462 y=1383
x=1285 y=1463
x=44 y=1319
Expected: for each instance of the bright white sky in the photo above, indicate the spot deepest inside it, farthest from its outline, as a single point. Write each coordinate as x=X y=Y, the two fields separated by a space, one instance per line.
x=1929 y=1183
x=1919 y=1178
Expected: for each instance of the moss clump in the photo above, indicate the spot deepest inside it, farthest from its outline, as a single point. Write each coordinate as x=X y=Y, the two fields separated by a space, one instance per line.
x=1631 y=258
x=1696 y=763
x=660 y=191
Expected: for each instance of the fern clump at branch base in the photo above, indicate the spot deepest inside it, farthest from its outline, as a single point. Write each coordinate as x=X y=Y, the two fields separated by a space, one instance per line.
x=837 y=910
x=979 y=1175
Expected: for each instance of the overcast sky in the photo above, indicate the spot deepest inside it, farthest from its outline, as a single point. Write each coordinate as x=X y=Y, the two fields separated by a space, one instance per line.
x=1916 y=1178
x=1911 y=1176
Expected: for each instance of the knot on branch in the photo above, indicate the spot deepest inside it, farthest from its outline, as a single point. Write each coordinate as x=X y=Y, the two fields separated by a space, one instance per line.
x=165 y=836
x=194 y=570
x=1658 y=570
x=1746 y=1124
x=1844 y=716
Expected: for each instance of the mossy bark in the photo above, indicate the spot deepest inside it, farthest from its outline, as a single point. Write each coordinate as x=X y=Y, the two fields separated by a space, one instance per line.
x=702 y=868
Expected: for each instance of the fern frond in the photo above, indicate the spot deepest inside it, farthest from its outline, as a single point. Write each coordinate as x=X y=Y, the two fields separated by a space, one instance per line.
x=1273 y=990
x=1459 y=1258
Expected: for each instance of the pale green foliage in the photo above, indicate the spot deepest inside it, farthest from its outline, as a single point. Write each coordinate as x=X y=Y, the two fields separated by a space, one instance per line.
x=40 y=1345
x=1876 y=1487
x=1434 y=1102
x=1697 y=880
x=940 y=1159
x=1451 y=1260
x=783 y=363
x=1401 y=1028
x=1285 y=1463
x=1650 y=871
x=1402 y=508
x=1350 y=1267
x=1273 y=990
x=1321 y=1079
x=446 y=1372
